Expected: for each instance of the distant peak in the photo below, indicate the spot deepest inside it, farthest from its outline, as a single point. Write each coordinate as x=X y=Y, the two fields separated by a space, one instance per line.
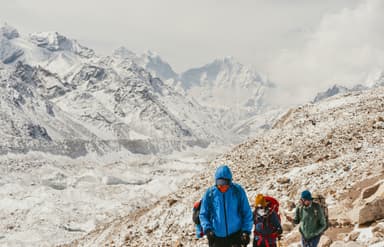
x=51 y=40
x=55 y=41
x=123 y=52
x=8 y=31
x=150 y=53
x=226 y=61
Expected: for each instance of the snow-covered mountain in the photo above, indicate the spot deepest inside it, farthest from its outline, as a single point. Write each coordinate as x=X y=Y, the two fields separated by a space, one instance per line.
x=149 y=61
x=233 y=91
x=110 y=102
x=127 y=100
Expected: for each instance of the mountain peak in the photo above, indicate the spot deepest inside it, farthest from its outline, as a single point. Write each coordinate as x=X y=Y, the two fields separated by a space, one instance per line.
x=54 y=41
x=227 y=60
x=123 y=52
x=8 y=31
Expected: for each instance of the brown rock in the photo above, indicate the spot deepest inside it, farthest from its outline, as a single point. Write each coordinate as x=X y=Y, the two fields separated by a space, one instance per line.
x=178 y=244
x=283 y=180
x=371 y=211
x=358 y=147
x=353 y=236
x=287 y=227
x=379 y=125
x=171 y=201
x=325 y=241
x=370 y=191
x=345 y=222
x=293 y=237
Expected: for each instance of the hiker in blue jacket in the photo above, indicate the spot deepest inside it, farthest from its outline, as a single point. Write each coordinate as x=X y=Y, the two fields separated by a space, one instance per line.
x=225 y=214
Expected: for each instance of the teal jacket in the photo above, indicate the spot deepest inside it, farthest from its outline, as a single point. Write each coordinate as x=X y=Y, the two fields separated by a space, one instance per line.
x=312 y=220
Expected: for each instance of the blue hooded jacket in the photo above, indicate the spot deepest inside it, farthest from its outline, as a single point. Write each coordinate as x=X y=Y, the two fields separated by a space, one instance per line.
x=225 y=213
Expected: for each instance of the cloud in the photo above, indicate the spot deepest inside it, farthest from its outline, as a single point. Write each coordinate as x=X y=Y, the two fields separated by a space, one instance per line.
x=346 y=48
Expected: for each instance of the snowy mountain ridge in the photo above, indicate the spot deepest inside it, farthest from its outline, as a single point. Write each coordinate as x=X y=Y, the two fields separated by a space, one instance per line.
x=126 y=98
x=114 y=98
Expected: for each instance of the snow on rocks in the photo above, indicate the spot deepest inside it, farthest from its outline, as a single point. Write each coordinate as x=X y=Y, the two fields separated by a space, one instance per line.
x=54 y=41
x=8 y=31
x=47 y=199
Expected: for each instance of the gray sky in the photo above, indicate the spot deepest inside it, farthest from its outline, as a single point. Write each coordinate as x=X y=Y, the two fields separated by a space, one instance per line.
x=186 y=33
x=294 y=42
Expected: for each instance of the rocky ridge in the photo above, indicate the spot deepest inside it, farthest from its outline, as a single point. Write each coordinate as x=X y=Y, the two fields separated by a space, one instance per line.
x=333 y=147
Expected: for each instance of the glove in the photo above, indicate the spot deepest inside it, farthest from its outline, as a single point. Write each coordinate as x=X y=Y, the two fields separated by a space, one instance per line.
x=279 y=231
x=210 y=236
x=244 y=238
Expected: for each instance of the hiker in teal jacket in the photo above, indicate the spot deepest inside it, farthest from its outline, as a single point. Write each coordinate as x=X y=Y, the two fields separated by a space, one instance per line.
x=312 y=219
x=225 y=214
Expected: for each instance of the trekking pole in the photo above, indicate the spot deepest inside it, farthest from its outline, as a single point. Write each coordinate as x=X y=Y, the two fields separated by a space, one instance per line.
x=279 y=244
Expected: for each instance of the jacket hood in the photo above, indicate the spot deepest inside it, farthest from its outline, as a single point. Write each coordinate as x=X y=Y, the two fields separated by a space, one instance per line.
x=223 y=172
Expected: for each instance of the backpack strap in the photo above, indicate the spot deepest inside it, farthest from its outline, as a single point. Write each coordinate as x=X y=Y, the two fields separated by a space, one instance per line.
x=210 y=201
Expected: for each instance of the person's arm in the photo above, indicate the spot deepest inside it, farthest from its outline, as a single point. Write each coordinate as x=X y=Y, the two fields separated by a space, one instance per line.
x=322 y=221
x=297 y=218
x=246 y=213
x=276 y=224
x=205 y=214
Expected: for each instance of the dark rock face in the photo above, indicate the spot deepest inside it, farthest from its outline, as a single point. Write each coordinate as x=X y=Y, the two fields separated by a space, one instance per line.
x=8 y=52
x=330 y=92
x=9 y=32
x=38 y=132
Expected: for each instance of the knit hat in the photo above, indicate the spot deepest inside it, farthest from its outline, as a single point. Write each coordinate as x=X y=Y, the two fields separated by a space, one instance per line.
x=306 y=195
x=260 y=201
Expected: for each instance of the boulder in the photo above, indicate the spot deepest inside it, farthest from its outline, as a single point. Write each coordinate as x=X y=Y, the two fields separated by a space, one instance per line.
x=353 y=236
x=368 y=192
x=283 y=180
x=372 y=211
x=325 y=241
x=370 y=206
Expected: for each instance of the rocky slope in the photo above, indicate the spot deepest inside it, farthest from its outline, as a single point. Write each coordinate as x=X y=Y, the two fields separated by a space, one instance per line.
x=334 y=147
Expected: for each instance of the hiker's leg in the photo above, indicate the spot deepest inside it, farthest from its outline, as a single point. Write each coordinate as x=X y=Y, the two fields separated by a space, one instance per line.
x=305 y=243
x=315 y=241
x=235 y=239
x=222 y=242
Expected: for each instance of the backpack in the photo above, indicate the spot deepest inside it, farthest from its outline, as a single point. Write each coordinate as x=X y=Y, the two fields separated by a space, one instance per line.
x=273 y=206
x=196 y=219
x=320 y=200
x=196 y=212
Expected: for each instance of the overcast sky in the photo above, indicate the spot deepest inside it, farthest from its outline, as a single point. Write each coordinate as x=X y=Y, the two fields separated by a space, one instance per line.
x=290 y=41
